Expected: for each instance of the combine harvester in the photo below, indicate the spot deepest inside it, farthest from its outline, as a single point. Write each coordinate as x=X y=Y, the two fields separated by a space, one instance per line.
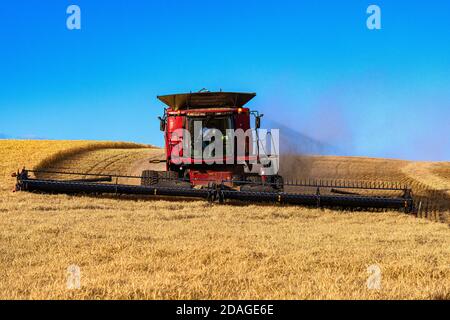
x=245 y=172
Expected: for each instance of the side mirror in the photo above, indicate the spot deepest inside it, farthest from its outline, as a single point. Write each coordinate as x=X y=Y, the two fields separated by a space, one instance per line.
x=162 y=124
x=258 y=121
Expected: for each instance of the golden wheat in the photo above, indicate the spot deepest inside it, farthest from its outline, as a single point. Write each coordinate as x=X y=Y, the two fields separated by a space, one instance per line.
x=138 y=248
x=16 y=154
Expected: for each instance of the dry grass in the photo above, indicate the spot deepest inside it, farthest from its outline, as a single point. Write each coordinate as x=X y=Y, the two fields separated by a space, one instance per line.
x=15 y=154
x=75 y=151
x=133 y=248
x=442 y=170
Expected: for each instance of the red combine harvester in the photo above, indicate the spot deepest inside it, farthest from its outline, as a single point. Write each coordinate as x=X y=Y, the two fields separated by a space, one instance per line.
x=212 y=153
x=187 y=121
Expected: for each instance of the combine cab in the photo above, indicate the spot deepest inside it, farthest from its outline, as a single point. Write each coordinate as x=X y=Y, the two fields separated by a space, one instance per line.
x=213 y=153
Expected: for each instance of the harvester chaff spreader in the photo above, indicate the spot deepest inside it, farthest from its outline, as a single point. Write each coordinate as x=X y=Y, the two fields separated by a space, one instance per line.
x=211 y=152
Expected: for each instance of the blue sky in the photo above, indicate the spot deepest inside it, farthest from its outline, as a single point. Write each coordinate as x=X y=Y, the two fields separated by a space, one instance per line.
x=314 y=66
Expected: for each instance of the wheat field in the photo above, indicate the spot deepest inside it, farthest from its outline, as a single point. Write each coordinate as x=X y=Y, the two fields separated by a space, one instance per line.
x=139 y=248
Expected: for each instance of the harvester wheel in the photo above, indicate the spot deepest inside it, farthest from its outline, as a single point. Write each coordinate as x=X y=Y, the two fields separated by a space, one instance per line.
x=162 y=179
x=274 y=183
x=149 y=177
x=278 y=182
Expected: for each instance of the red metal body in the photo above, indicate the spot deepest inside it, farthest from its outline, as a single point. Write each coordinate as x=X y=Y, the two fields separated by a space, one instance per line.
x=199 y=171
